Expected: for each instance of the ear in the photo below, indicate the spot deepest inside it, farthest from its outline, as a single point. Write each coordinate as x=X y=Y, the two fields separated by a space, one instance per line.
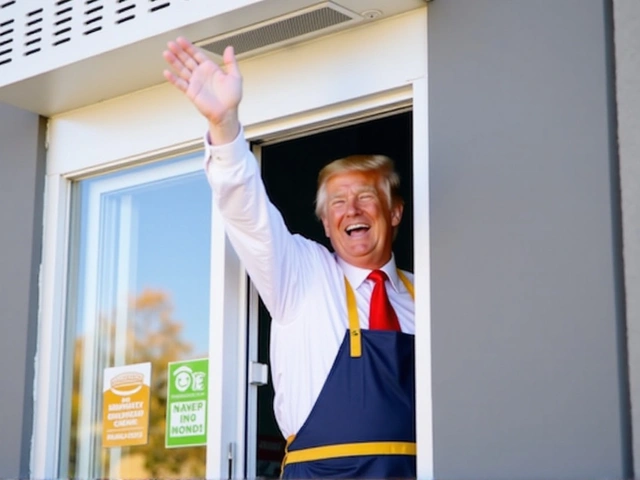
x=396 y=214
x=325 y=224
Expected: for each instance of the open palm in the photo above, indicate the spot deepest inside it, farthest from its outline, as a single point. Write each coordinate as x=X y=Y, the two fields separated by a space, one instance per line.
x=215 y=90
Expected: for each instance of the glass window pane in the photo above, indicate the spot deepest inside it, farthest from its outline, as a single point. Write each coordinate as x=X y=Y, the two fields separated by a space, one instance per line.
x=138 y=291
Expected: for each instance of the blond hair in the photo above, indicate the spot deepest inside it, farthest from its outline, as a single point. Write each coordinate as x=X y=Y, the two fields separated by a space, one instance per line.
x=388 y=178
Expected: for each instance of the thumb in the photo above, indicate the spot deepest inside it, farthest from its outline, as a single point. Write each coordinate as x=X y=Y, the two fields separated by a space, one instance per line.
x=230 y=62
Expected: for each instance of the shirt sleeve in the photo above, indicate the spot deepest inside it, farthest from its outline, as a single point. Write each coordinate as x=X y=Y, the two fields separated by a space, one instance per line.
x=274 y=258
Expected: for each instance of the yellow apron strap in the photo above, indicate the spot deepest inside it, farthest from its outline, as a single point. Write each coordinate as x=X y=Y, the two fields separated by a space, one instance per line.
x=407 y=283
x=355 y=344
x=350 y=450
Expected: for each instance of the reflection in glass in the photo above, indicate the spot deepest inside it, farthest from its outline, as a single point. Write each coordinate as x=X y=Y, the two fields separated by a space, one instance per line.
x=138 y=291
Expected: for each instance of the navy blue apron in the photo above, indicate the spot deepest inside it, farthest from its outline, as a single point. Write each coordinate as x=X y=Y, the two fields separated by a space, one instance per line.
x=363 y=422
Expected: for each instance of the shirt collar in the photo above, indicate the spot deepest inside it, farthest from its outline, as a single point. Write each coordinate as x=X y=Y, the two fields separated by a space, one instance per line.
x=357 y=275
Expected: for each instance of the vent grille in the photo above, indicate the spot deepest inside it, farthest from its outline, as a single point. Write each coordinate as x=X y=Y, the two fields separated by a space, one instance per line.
x=282 y=30
x=63 y=14
x=30 y=27
x=158 y=5
x=33 y=32
x=93 y=16
x=6 y=40
x=125 y=11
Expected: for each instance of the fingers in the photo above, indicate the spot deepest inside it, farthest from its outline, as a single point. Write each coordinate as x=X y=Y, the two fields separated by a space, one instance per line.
x=184 y=50
x=181 y=63
x=178 y=82
x=184 y=59
x=176 y=65
x=192 y=51
x=230 y=62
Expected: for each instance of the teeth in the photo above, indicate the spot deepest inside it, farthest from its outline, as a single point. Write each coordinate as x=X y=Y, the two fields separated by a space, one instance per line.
x=351 y=228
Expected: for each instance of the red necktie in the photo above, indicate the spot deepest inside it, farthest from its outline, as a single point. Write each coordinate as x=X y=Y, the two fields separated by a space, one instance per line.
x=381 y=313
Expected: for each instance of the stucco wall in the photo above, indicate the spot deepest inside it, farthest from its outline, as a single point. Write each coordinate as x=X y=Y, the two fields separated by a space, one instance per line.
x=529 y=377
x=627 y=59
x=21 y=189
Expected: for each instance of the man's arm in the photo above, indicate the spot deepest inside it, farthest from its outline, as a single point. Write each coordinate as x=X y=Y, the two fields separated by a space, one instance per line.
x=276 y=261
x=272 y=256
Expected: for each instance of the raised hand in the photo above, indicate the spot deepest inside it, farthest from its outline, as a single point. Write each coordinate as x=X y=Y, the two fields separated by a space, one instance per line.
x=215 y=90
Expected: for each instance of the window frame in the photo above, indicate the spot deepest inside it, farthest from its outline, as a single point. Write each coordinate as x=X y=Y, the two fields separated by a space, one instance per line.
x=355 y=99
x=413 y=97
x=95 y=230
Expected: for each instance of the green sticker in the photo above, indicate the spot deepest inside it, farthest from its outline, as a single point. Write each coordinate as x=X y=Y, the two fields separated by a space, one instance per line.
x=187 y=403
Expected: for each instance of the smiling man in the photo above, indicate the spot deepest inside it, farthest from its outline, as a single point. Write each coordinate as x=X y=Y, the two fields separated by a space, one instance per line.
x=342 y=350
x=360 y=208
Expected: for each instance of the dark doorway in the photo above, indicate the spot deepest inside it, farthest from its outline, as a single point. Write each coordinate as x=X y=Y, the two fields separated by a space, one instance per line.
x=290 y=170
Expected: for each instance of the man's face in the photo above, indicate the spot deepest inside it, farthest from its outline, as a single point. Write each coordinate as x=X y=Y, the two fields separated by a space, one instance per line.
x=357 y=219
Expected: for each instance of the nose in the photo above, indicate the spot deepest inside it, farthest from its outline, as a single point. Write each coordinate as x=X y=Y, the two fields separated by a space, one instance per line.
x=352 y=205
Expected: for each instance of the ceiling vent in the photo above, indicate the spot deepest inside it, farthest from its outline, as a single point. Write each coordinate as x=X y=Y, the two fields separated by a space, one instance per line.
x=286 y=29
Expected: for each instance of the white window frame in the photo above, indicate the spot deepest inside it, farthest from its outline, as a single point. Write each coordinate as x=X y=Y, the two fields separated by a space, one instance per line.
x=122 y=266
x=50 y=366
x=413 y=96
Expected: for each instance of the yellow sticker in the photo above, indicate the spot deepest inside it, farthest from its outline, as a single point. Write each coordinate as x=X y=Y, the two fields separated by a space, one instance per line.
x=125 y=412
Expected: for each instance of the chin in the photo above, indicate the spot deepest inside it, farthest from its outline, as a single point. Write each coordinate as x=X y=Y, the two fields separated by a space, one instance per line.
x=358 y=256
x=360 y=261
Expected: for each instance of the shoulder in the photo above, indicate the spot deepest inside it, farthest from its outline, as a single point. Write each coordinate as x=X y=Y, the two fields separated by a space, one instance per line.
x=312 y=249
x=317 y=267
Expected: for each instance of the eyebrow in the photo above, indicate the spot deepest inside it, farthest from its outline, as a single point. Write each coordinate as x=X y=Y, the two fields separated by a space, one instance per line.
x=337 y=195
x=360 y=189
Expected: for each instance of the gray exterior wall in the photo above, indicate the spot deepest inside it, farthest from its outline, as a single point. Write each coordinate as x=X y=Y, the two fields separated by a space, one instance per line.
x=529 y=353
x=22 y=162
x=627 y=57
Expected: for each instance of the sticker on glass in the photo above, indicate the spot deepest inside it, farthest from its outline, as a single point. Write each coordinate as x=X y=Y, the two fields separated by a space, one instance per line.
x=187 y=403
x=125 y=412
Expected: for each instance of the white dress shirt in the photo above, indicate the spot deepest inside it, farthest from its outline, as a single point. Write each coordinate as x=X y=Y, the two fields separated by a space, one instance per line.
x=299 y=280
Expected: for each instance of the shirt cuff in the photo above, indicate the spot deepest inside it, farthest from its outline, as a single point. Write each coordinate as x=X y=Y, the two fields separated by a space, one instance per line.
x=226 y=153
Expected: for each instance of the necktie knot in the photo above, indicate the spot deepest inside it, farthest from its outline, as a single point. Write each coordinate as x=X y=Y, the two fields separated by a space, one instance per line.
x=378 y=276
x=381 y=313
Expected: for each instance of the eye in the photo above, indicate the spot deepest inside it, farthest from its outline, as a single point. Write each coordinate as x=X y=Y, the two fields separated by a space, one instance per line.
x=366 y=196
x=337 y=202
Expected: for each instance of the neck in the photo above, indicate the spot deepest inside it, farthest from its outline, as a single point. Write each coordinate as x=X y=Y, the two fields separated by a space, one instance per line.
x=367 y=265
